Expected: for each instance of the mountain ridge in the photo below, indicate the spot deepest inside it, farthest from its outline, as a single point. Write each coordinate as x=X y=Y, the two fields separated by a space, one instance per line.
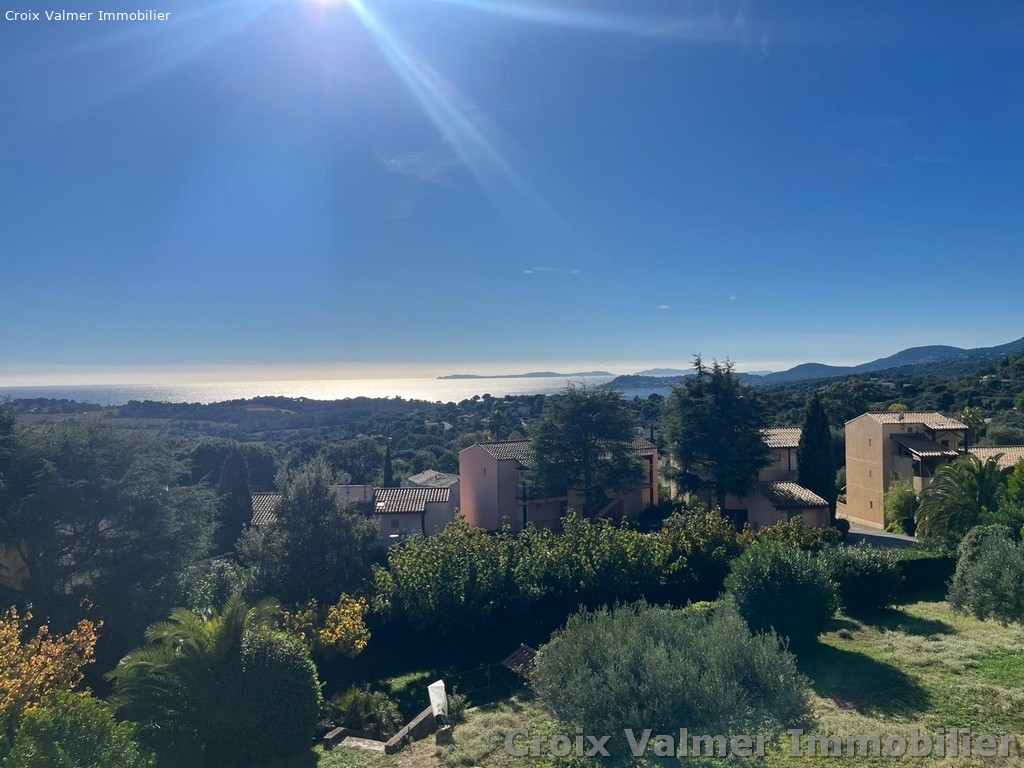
x=934 y=353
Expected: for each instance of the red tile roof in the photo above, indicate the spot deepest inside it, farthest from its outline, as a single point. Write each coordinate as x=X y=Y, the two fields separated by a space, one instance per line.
x=264 y=508
x=782 y=437
x=1011 y=454
x=522 y=450
x=930 y=419
x=396 y=501
x=789 y=496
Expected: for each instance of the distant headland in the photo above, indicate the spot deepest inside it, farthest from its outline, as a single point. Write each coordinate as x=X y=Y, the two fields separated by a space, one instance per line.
x=531 y=375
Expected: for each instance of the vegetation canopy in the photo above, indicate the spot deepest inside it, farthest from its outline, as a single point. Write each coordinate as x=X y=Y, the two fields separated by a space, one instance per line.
x=584 y=441
x=639 y=666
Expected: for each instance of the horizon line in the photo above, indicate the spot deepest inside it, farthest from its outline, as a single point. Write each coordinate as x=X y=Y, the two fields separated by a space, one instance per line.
x=20 y=376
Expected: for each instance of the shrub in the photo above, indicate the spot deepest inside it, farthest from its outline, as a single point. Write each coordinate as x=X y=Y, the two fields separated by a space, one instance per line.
x=697 y=547
x=457 y=705
x=339 y=630
x=456 y=580
x=924 y=569
x=900 y=504
x=36 y=664
x=793 y=533
x=843 y=526
x=210 y=583
x=869 y=578
x=785 y=589
x=272 y=698
x=73 y=730
x=370 y=712
x=989 y=578
x=1009 y=513
x=221 y=689
x=643 y=667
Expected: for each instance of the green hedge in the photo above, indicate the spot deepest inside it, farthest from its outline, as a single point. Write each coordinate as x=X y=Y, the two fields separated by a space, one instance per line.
x=782 y=588
x=869 y=578
x=925 y=571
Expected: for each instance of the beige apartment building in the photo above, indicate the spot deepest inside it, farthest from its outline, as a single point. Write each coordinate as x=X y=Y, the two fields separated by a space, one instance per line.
x=882 y=447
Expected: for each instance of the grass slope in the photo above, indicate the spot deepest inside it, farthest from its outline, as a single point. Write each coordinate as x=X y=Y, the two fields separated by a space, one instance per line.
x=920 y=666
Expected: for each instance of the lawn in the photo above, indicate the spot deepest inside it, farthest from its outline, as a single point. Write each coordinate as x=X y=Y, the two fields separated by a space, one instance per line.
x=919 y=666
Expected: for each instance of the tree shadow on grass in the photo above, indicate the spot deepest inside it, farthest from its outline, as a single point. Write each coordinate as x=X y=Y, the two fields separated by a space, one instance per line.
x=837 y=623
x=857 y=681
x=897 y=620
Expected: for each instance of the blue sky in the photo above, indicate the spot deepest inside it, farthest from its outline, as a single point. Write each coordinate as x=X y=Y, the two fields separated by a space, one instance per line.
x=497 y=184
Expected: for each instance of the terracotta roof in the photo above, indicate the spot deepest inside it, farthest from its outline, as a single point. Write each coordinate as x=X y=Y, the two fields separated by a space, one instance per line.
x=396 y=501
x=510 y=450
x=433 y=479
x=643 y=445
x=264 y=506
x=921 y=446
x=1011 y=454
x=522 y=450
x=782 y=437
x=789 y=496
x=930 y=419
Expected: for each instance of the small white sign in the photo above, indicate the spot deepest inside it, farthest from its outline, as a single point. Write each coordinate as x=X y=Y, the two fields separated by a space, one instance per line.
x=438 y=698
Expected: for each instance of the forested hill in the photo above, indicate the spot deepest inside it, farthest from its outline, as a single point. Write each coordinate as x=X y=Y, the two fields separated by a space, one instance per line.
x=930 y=355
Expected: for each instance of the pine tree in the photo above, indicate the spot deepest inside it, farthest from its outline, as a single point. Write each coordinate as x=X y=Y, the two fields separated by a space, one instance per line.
x=714 y=425
x=815 y=457
x=235 y=501
x=583 y=441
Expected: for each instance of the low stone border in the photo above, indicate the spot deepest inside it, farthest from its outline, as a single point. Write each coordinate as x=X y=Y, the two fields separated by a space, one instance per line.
x=418 y=728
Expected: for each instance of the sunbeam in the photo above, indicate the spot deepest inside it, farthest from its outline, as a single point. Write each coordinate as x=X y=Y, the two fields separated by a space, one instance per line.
x=706 y=29
x=154 y=50
x=449 y=113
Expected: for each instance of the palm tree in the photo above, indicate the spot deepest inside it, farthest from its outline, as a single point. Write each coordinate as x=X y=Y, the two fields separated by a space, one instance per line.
x=960 y=494
x=176 y=685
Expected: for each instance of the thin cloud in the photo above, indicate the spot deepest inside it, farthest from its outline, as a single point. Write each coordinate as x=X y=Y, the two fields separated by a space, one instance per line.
x=426 y=167
x=933 y=159
x=550 y=271
x=402 y=209
x=662 y=306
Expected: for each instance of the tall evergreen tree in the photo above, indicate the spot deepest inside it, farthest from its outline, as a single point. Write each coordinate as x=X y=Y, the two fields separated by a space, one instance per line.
x=103 y=520
x=815 y=455
x=315 y=549
x=235 y=501
x=389 y=468
x=583 y=441
x=713 y=426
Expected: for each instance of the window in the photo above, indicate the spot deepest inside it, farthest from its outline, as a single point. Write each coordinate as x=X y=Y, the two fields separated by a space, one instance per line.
x=396 y=523
x=871 y=505
x=946 y=443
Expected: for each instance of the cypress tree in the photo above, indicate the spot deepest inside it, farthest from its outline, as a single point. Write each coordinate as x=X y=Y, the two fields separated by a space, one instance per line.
x=389 y=470
x=815 y=456
x=235 y=500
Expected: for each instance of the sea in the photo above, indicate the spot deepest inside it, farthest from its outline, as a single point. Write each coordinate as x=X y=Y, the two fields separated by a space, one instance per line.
x=430 y=390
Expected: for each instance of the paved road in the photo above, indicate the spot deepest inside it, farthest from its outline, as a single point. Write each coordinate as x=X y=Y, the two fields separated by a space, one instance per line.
x=878 y=538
